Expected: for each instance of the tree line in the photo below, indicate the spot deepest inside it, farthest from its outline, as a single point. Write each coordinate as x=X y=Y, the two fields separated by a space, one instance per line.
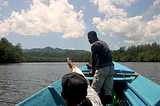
x=10 y=53
x=75 y=55
x=141 y=53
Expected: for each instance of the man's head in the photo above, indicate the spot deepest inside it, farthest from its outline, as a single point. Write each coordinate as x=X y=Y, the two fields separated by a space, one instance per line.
x=92 y=36
x=74 y=88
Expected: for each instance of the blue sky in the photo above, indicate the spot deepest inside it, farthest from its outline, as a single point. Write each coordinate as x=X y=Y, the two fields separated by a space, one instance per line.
x=65 y=23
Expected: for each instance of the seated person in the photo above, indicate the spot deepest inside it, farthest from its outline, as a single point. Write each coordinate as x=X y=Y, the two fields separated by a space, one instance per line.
x=76 y=90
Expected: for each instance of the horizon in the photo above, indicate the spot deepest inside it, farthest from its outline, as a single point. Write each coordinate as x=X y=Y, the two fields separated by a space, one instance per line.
x=86 y=50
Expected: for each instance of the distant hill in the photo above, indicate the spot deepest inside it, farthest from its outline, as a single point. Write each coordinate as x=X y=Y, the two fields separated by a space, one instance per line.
x=49 y=54
x=48 y=49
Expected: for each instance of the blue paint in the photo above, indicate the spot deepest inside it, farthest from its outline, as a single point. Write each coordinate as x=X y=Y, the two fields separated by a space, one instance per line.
x=139 y=91
x=49 y=96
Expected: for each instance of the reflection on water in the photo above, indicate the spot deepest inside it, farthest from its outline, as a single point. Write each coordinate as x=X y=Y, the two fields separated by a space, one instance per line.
x=21 y=80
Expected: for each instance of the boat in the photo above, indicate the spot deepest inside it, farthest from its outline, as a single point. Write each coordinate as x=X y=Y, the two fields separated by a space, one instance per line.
x=130 y=89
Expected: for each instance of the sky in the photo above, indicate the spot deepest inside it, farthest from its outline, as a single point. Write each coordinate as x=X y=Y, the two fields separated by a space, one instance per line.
x=65 y=23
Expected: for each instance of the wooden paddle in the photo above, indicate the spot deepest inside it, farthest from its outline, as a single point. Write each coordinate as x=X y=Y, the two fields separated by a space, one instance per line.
x=124 y=74
x=117 y=74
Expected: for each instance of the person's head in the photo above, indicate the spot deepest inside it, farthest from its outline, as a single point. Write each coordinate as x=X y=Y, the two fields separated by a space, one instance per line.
x=92 y=36
x=74 y=88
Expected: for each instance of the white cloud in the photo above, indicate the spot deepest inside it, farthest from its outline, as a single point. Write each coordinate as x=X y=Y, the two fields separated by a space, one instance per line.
x=116 y=47
x=83 y=7
x=152 y=9
x=5 y=3
x=72 y=48
x=107 y=6
x=4 y=28
x=133 y=29
x=59 y=16
x=126 y=3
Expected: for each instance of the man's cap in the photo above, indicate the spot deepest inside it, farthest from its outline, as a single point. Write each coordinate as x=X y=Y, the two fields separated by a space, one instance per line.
x=74 y=87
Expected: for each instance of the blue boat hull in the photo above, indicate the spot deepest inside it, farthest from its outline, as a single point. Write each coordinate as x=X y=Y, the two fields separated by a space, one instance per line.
x=132 y=90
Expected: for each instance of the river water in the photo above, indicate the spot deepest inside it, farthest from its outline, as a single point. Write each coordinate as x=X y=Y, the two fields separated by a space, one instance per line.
x=20 y=80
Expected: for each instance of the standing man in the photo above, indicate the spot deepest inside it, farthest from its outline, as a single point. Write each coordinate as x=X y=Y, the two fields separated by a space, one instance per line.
x=103 y=75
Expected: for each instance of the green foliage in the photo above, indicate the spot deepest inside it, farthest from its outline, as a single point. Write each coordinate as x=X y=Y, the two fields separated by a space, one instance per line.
x=9 y=53
x=82 y=58
x=61 y=56
x=141 y=53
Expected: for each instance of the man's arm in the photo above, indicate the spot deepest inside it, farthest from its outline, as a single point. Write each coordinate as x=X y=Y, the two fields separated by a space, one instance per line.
x=76 y=69
x=73 y=67
x=93 y=67
x=70 y=63
x=93 y=58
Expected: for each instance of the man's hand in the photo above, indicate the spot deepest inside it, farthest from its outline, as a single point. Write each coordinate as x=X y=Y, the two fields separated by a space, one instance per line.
x=91 y=73
x=89 y=65
x=69 y=62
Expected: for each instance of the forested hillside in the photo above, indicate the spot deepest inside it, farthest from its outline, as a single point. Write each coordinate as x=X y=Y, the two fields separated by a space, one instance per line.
x=46 y=49
x=59 y=56
x=10 y=53
x=141 y=53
